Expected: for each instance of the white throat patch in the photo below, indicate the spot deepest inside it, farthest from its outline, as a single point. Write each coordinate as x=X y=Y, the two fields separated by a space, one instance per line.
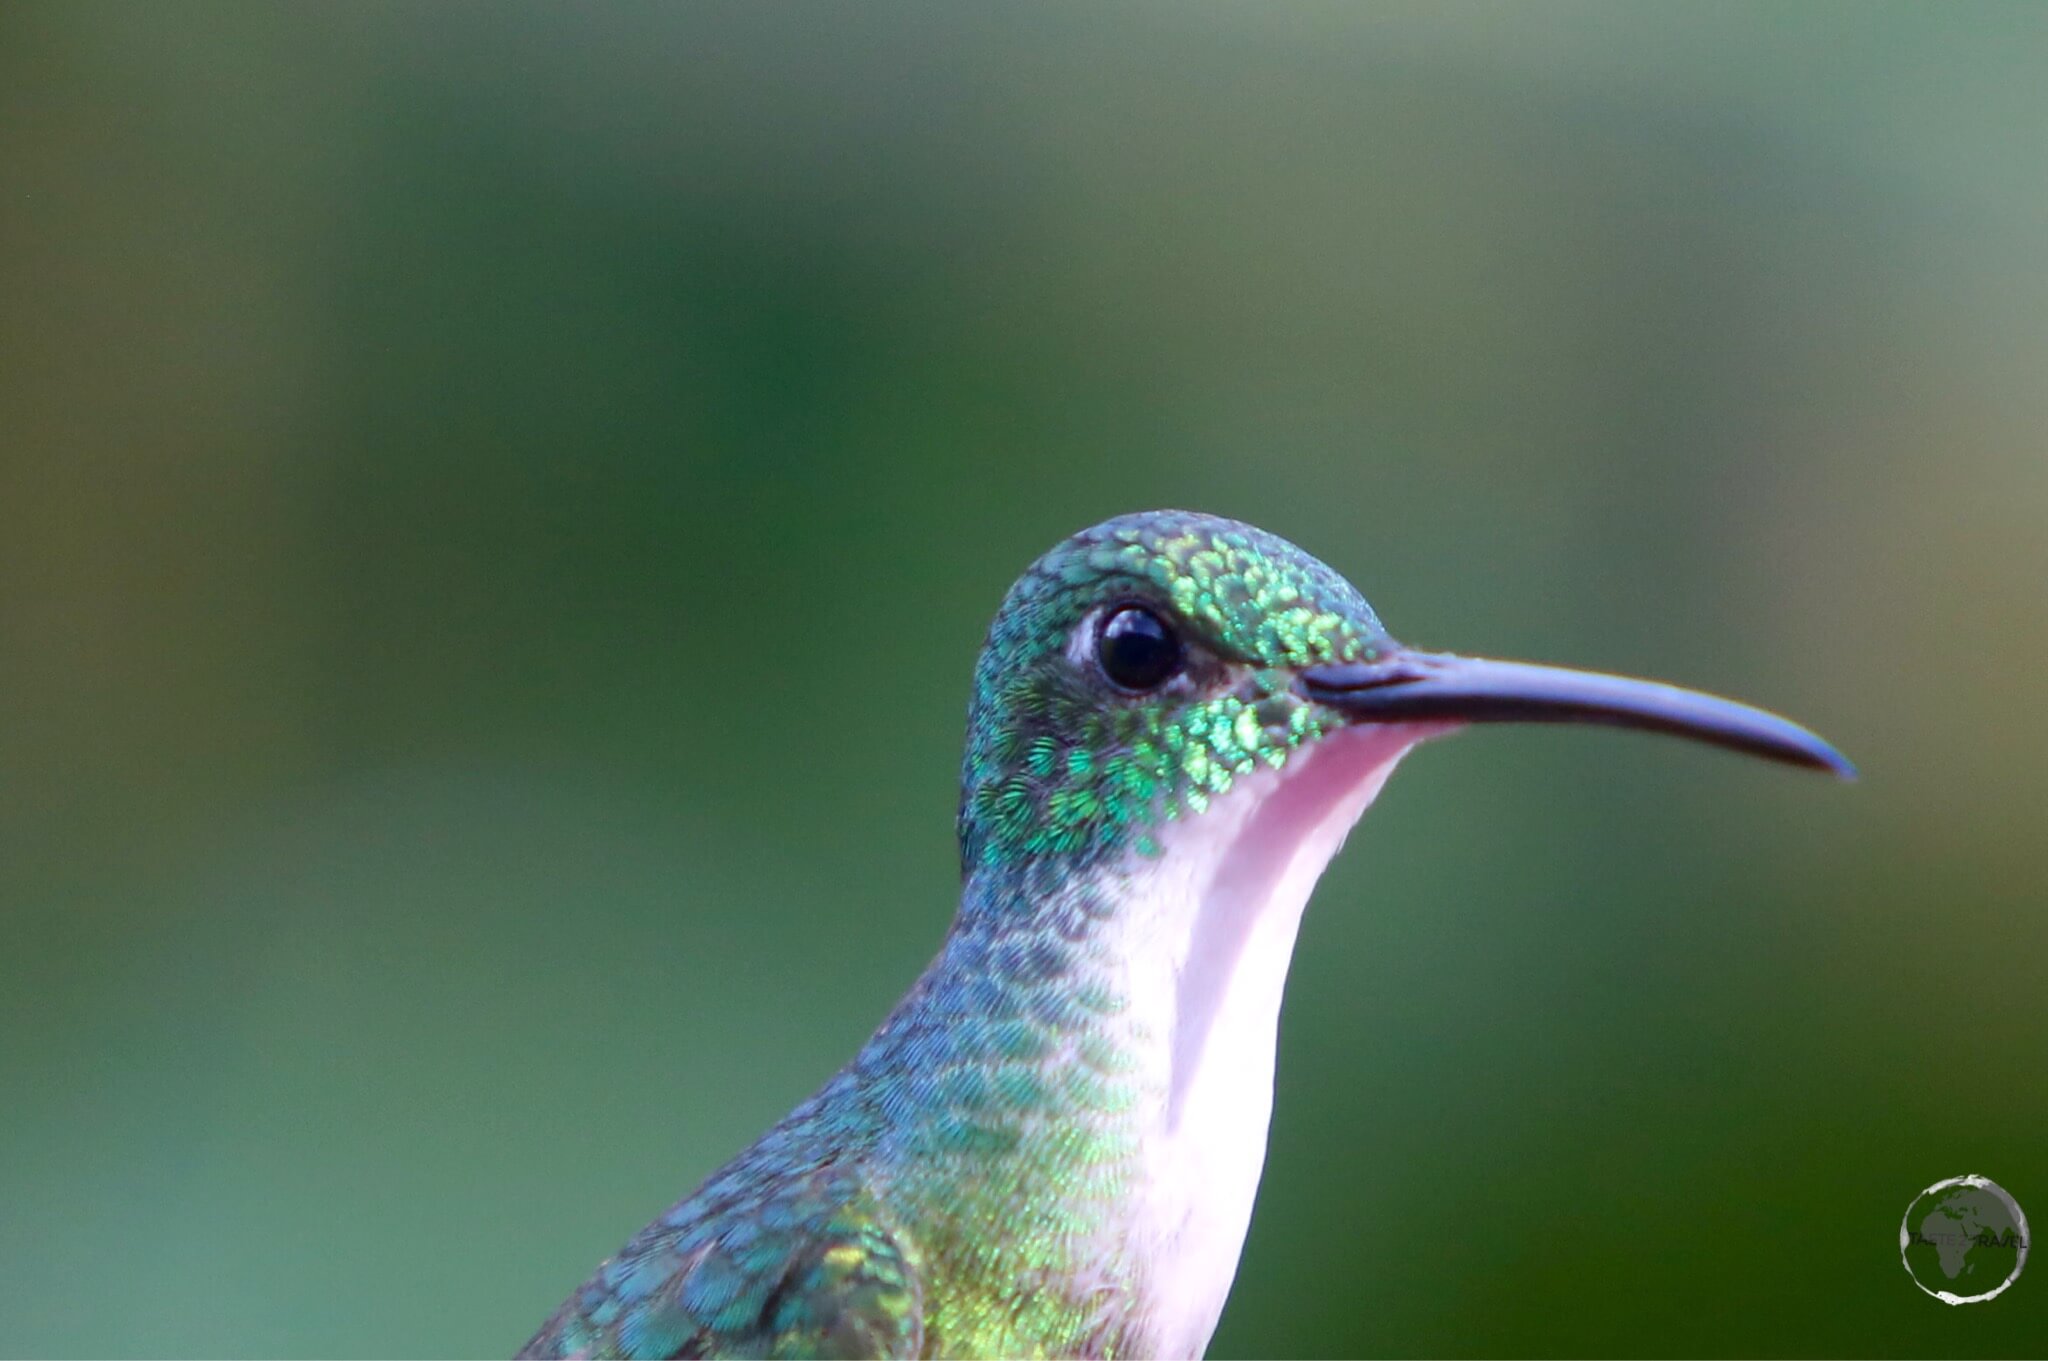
x=1206 y=938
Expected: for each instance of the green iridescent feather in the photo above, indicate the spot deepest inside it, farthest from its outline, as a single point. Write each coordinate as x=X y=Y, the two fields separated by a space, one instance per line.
x=954 y=1189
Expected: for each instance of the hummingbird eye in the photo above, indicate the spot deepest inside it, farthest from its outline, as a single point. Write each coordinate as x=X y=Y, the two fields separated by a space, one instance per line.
x=1138 y=650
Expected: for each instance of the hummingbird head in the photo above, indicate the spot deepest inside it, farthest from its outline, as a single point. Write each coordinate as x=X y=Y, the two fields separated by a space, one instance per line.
x=1142 y=667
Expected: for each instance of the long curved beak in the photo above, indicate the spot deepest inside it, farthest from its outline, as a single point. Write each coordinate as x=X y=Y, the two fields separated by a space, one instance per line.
x=1404 y=684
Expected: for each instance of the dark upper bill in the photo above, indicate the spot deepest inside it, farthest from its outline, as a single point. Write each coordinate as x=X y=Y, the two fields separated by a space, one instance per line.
x=1423 y=685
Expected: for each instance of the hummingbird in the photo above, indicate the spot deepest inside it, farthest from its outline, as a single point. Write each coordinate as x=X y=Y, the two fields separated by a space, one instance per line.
x=1051 y=1146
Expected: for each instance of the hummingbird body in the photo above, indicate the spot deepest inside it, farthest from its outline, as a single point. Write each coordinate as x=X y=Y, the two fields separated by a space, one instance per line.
x=1052 y=1145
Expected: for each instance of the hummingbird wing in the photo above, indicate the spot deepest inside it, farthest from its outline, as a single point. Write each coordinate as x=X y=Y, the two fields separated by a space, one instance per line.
x=791 y=1273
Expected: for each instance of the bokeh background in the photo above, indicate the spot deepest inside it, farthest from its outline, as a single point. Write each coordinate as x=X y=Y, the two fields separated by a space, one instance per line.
x=498 y=505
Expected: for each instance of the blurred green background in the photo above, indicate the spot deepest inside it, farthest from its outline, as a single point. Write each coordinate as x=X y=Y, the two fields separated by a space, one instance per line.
x=498 y=506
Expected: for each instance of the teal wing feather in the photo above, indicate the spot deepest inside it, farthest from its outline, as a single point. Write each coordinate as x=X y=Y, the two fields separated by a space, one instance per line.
x=800 y=1266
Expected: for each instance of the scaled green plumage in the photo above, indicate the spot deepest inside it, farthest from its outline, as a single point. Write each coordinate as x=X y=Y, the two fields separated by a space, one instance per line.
x=940 y=1194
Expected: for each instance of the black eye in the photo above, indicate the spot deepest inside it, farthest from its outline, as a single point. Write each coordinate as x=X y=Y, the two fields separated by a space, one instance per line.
x=1137 y=650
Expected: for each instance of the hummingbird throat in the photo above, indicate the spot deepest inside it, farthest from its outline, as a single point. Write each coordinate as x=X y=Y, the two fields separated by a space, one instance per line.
x=1199 y=948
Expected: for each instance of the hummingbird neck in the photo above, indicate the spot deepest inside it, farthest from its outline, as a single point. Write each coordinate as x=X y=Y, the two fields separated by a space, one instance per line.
x=1203 y=947
x=1108 y=1043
